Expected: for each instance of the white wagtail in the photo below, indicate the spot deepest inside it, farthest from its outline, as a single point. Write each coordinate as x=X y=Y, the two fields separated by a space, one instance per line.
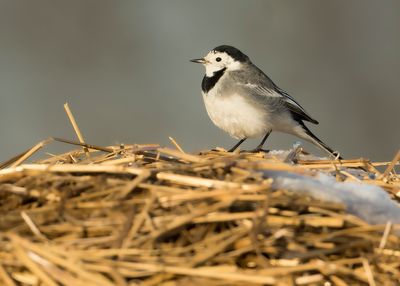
x=243 y=101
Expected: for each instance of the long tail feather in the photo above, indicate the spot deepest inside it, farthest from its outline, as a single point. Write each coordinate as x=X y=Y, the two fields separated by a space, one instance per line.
x=309 y=136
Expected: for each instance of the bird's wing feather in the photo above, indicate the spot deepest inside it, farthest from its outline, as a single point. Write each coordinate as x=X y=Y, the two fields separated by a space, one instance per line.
x=295 y=107
x=260 y=84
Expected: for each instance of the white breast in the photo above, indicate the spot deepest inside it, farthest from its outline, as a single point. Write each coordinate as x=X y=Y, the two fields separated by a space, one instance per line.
x=236 y=116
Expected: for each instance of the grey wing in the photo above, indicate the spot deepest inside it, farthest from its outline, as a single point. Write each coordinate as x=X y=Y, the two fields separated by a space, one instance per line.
x=258 y=82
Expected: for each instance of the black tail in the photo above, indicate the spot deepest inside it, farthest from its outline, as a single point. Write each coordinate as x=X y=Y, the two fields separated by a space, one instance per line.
x=314 y=139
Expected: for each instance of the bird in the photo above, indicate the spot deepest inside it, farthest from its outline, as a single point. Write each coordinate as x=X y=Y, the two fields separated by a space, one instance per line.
x=244 y=102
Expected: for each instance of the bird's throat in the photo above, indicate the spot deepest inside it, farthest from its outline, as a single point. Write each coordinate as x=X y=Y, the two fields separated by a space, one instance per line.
x=209 y=82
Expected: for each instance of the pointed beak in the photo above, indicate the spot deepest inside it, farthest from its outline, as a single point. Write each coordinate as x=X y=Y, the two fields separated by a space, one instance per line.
x=199 y=61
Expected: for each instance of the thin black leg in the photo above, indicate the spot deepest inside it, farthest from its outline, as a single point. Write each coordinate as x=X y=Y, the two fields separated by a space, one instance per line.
x=259 y=147
x=237 y=145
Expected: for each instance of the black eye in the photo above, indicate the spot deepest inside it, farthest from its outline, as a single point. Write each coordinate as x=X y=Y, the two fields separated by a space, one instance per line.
x=218 y=59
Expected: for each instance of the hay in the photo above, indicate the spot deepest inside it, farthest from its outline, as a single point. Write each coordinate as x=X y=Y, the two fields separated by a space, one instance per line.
x=146 y=215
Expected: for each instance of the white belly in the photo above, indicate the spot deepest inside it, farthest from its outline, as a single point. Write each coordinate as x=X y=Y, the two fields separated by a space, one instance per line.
x=236 y=116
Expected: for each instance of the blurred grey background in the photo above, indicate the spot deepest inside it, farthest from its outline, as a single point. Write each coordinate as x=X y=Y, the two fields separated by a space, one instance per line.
x=124 y=68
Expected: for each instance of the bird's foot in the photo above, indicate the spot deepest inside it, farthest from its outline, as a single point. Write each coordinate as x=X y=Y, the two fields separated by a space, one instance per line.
x=232 y=150
x=218 y=149
x=258 y=150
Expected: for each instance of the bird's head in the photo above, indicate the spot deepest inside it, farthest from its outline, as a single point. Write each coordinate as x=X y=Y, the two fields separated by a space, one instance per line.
x=222 y=57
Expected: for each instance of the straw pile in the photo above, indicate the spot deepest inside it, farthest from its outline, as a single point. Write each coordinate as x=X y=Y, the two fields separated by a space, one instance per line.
x=146 y=215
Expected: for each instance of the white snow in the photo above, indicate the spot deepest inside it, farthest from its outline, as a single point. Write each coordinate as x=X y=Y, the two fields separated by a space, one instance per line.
x=370 y=203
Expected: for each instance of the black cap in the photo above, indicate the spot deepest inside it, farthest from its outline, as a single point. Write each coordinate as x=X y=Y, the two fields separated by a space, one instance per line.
x=233 y=52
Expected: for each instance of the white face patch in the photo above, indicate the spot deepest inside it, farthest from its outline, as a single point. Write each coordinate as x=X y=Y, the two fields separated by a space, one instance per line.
x=216 y=61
